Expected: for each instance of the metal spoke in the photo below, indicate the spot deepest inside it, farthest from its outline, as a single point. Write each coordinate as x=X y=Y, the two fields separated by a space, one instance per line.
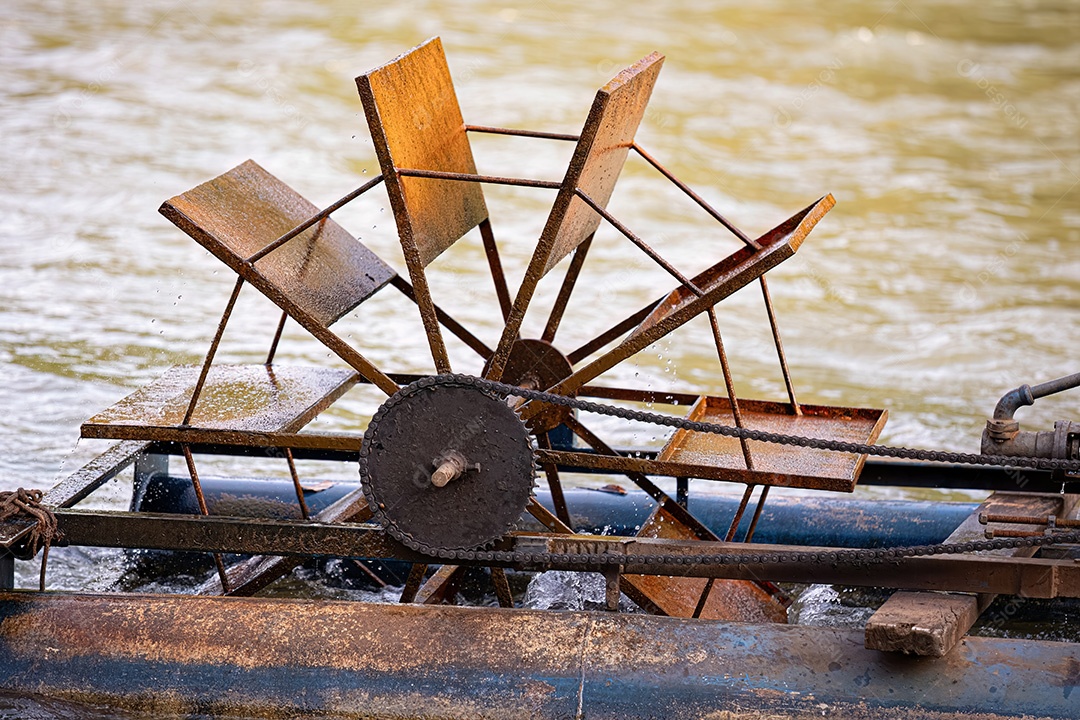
x=212 y=351
x=412 y=585
x=276 y=340
x=570 y=279
x=222 y=575
x=491 y=250
x=321 y=215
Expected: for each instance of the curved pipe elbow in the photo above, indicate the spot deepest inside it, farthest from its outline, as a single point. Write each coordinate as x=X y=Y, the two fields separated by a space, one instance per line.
x=1013 y=400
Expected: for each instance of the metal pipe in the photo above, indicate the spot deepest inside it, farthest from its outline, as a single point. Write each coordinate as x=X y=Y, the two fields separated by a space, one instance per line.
x=229 y=656
x=1055 y=386
x=1013 y=400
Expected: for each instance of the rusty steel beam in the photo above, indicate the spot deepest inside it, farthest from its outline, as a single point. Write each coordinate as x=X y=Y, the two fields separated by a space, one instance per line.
x=1025 y=577
x=573 y=459
x=192 y=436
x=247 y=536
x=282 y=658
x=78 y=485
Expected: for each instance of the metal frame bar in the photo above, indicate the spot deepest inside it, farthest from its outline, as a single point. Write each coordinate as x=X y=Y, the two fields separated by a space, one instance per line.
x=296 y=484
x=551 y=472
x=1025 y=577
x=521 y=133
x=277 y=338
x=569 y=282
x=468 y=177
x=459 y=330
x=218 y=561
x=212 y=351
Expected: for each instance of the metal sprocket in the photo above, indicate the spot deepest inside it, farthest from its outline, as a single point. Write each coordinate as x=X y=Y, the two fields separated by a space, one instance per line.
x=412 y=434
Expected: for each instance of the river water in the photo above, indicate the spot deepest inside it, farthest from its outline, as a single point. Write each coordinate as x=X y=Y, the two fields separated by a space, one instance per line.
x=948 y=273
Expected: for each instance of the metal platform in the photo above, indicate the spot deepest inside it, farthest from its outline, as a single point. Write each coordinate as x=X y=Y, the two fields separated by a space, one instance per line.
x=247 y=398
x=778 y=464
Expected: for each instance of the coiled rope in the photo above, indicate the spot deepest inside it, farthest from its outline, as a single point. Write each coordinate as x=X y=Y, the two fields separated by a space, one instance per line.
x=21 y=502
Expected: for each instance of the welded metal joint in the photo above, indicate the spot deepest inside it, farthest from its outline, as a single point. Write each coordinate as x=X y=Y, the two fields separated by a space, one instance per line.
x=1062 y=443
x=612 y=588
x=1003 y=436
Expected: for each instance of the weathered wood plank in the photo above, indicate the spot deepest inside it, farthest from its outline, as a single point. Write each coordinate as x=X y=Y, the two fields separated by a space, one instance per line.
x=932 y=624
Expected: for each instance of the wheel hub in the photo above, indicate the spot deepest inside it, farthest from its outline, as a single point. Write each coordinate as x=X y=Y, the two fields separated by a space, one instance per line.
x=538 y=365
x=446 y=467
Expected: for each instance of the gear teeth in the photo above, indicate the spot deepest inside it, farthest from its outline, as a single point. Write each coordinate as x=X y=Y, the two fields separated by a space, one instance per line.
x=430 y=384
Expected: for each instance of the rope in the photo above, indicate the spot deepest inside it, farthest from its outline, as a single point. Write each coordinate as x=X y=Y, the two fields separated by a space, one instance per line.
x=27 y=503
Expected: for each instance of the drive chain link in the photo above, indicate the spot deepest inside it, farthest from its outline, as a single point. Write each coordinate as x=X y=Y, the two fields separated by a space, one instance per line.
x=853 y=556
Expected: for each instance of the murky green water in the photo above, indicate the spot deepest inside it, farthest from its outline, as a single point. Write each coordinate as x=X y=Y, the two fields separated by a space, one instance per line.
x=948 y=273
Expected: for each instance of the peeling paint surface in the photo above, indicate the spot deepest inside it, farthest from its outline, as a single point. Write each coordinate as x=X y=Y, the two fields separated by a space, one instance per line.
x=278 y=658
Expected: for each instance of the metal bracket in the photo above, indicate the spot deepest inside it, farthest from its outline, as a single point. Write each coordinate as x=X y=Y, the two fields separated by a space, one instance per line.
x=7 y=571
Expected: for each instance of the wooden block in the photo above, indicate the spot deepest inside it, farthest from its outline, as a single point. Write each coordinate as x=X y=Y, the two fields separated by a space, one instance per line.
x=932 y=624
x=923 y=623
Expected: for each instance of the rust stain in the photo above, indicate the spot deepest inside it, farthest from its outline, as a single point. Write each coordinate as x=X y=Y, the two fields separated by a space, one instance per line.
x=238 y=632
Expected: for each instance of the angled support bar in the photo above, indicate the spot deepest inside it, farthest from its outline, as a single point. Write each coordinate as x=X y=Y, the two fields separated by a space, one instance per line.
x=750 y=243
x=321 y=215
